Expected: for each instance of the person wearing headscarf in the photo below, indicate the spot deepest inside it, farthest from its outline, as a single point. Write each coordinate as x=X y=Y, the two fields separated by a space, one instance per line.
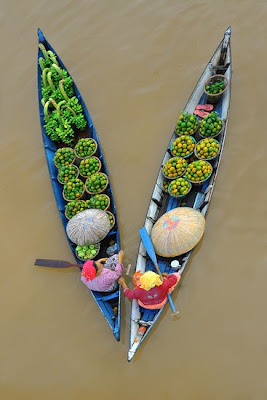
x=96 y=277
x=151 y=291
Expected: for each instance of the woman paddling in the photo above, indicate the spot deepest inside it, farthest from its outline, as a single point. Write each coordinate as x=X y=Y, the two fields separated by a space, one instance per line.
x=100 y=278
x=151 y=292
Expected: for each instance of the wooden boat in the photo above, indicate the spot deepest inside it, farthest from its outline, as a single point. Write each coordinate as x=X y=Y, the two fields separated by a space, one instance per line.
x=198 y=198
x=109 y=303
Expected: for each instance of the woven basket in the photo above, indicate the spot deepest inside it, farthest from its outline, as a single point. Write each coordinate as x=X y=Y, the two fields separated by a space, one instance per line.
x=83 y=260
x=110 y=213
x=100 y=165
x=74 y=177
x=191 y=134
x=88 y=155
x=77 y=198
x=68 y=218
x=180 y=196
x=213 y=98
x=188 y=155
x=213 y=136
x=70 y=162
x=198 y=183
x=102 y=194
x=173 y=177
x=207 y=159
x=102 y=190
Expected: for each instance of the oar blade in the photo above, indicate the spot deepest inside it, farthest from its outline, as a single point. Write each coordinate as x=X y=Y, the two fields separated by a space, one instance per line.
x=148 y=244
x=54 y=263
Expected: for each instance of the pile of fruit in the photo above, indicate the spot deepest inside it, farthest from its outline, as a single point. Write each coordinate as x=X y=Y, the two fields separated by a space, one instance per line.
x=85 y=147
x=216 y=87
x=166 y=185
x=89 y=166
x=87 y=252
x=183 y=146
x=100 y=201
x=74 y=207
x=73 y=189
x=67 y=172
x=210 y=125
x=187 y=124
x=179 y=187
x=207 y=148
x=174 y=167
x=111 y=219
x=198 y=171
x=64 y=156
x=96 y=183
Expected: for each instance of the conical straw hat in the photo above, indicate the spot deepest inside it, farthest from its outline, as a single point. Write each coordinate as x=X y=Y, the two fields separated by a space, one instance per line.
x=88 y=227
x=177 y=231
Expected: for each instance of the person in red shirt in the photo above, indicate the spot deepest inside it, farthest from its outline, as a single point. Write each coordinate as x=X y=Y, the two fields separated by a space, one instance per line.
x=151 y=292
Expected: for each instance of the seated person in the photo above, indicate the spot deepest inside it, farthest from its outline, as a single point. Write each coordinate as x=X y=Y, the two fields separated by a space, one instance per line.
x=96 y=277
x=151 y=292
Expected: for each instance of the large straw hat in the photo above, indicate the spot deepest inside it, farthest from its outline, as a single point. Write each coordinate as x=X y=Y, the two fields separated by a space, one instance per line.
x=88 y=227
x=177 y=231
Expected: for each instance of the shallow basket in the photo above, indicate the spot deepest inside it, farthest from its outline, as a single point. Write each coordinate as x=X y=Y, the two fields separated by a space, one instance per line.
x=68 y=218
x=110 y=213
x=188 y=155
x=102 y=190
x=213 y=98
x=204 y=180
x=77 y=198
x=100 y=165
x=103 y=194
x=191 y=134
x=74 y=177
x=212 y=136
x=207 y=159
x=173 y=177
x=180 y=196
x=69 y=163
x=84 y=260
x=88 y=155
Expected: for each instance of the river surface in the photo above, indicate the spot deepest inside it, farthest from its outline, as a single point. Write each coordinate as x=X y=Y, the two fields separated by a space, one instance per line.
x=135 y=63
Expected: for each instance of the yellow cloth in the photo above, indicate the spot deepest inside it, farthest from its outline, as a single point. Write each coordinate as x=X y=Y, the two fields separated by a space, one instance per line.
x=149 y=280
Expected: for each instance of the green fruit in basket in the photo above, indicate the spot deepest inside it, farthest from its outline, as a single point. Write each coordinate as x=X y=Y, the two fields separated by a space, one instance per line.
x=174 y=167
x=210 y=125
x=179 y=187
x=73 y=189
x=67 y=172
x=89 y=166
x=85 y=147
x=207 y=148
x=100 y=201
x=186 y=124
x=111 y=218
x=64 y=156
x=87 y=252
x=165 y=185
x=216 y=87
x=183 y=146
x=96 y=183
x=198 y=170
x=74 y=207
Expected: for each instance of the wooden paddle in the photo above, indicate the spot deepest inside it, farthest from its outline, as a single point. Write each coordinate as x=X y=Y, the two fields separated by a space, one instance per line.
x=151 y=252
x=55 y=263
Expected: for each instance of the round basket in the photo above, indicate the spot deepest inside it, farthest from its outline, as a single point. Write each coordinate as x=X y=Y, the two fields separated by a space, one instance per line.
x=188 y=155
x=174 y=177
x=66 y=215
x=77 y=198
x=213 y=98
x=70 y=163
x=201 y=182
x=99 y=168
x=207 y=159
x=110 y=213
x=102 y=194
x=100 y=191
x=180 y=196
x=74 y=177
x=213 y=136
x=84 y=260
x=87 y=155
x=191 y=134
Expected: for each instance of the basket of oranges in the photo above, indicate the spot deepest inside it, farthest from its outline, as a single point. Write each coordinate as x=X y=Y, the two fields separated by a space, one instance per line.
x=179 y=187
x=174 y=167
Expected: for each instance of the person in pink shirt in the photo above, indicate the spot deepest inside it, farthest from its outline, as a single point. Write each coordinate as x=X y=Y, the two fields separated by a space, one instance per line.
x=96 y=277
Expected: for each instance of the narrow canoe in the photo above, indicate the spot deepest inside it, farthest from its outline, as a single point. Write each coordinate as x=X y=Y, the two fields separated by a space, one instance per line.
x=108 y=303
x=198 y=198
